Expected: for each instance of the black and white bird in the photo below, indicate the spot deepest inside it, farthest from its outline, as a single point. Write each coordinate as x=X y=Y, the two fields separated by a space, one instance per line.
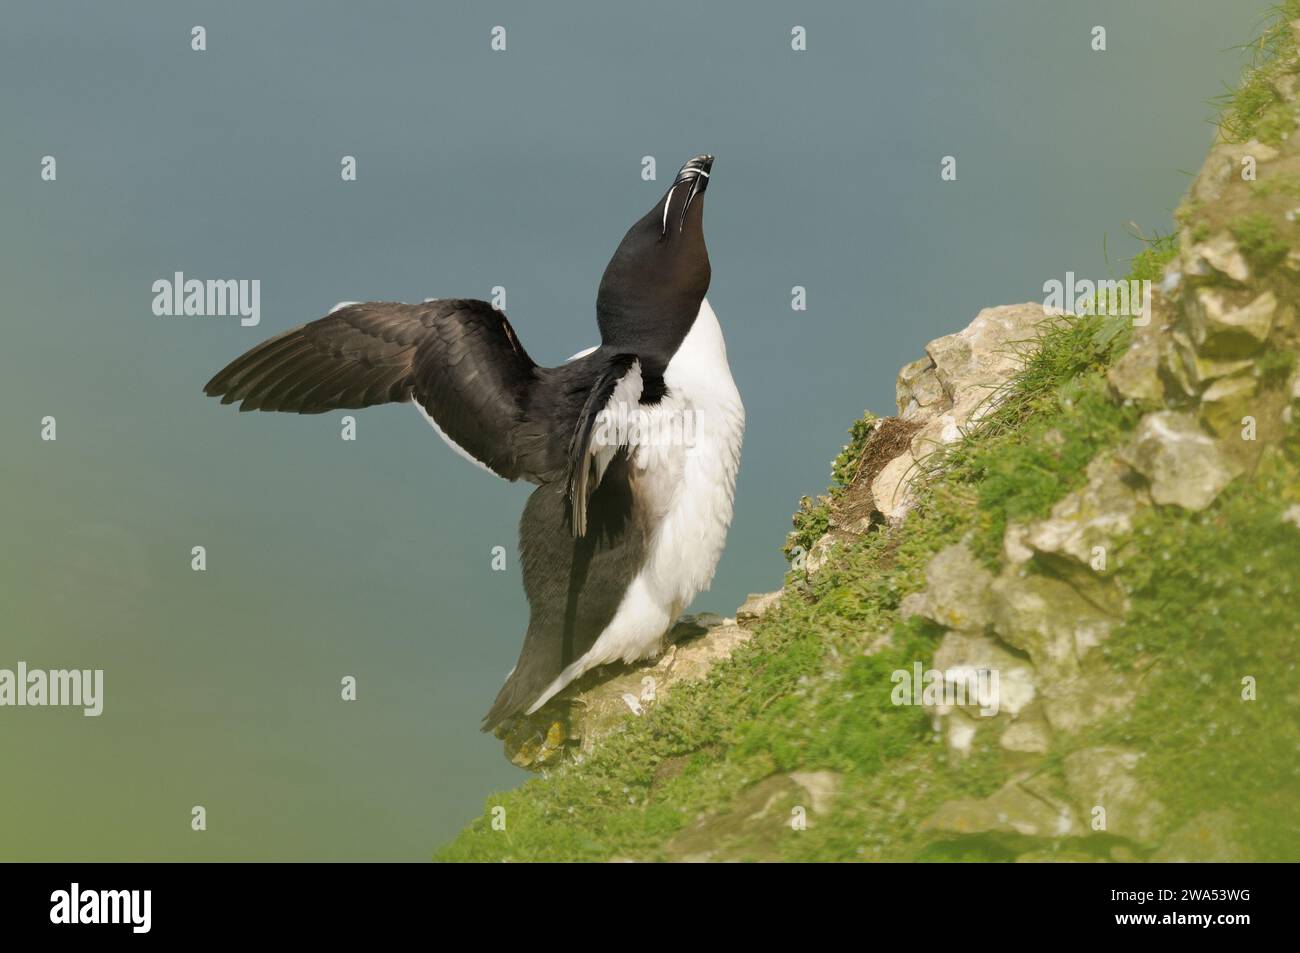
x=634 y=444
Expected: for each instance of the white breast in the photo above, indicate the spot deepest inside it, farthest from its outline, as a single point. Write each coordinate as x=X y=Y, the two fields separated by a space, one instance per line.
x=685 y=486
x=692 y=487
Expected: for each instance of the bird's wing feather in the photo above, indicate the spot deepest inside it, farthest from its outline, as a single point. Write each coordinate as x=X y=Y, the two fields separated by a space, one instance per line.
x=459 y=358
x=615 y=393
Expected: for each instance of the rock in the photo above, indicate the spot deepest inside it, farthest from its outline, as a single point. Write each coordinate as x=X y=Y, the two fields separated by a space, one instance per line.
x=1176 y=364
x=1217 y=255
x=974 y=361
x=1285 y=85
x=600 y=703
x=1104 y=777
x=820 y=553
x=1222 y=164
x=935 y=434
x=1135 y=375
x=957 y=594
x=959 y=730
x=1208 y=837
x=962 y=659
x=765 y=816
x=757 y=605
x=1028 y=734
x=1059 y=627
x=1014 y=809
x=917 y=388
x=1227 y=401
x=1014 y=549
x=821 y=786
x=890 y=487
x=968 y=367
x=1094 y=516
x=1050 y=620
x=1076 y=702
x=1203 y=371
x=1183 y=465
x=1221 y=330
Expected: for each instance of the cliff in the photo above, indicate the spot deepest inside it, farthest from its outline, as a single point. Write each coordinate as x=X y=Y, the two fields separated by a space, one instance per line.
x=1047 y=611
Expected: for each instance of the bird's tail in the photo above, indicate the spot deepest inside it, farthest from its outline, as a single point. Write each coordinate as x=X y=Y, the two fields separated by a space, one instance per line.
x=534 y=673
x=515 y=695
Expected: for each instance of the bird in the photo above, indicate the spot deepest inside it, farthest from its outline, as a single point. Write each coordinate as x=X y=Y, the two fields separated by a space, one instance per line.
x=634 y=444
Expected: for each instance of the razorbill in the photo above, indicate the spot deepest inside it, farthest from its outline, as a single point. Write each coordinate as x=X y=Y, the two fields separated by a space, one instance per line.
x=633 y=444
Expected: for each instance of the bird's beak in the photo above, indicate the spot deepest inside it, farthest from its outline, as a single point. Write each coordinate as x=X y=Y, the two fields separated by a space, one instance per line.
x=693 y=175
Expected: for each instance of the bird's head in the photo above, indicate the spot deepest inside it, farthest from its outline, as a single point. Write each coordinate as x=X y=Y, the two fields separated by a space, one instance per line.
x=653 y=286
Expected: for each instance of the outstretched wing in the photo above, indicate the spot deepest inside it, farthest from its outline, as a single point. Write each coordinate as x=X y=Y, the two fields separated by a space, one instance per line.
x=458 y=358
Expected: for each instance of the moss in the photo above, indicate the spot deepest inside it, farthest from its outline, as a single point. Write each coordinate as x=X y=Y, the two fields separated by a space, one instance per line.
x=1187 y=211
x=1284 y=183
x=1275 y=367
x=1259 y=240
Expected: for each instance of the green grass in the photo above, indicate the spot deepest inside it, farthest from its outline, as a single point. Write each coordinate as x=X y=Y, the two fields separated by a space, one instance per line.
x=1254 y=110
x=1259 y=241
x=1214 y=600
x=1276 y=367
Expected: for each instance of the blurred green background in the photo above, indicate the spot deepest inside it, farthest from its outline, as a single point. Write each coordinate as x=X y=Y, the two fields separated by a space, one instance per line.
x=476 y=169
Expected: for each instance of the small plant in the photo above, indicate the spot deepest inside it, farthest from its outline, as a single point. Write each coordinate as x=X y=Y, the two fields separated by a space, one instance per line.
x=813 y=518
x=1259 y=241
